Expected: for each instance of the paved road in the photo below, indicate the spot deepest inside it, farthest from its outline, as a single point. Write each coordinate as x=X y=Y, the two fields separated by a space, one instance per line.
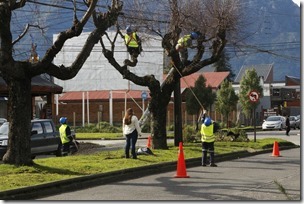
x=142 y=141
x=294 y=135
x=254 y=178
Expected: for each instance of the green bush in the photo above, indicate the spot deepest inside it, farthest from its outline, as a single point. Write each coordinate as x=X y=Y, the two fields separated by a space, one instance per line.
x=170 y=127
x=190 y=134
x=239 y=135
x=102 y=127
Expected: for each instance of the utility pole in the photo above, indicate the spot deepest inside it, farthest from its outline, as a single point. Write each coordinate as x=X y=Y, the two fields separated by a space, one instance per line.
x=177 y=91
x=177 y=115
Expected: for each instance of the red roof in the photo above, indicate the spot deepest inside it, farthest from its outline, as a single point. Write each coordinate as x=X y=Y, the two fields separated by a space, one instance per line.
x=100 y=95
x=213 y=79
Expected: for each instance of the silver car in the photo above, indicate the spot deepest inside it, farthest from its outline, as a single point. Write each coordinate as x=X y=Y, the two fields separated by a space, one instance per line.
x=293 y=122
x=2 y=120
x=274 y=123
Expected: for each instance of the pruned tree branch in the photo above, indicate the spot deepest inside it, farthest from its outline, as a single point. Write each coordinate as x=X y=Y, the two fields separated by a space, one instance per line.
x=74 y=31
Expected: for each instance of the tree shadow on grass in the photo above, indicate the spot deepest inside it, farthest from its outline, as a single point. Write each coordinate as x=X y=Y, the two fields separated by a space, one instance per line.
x=56 y=170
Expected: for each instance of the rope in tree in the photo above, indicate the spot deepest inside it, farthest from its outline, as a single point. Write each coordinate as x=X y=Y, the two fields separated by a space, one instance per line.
x=189 y=88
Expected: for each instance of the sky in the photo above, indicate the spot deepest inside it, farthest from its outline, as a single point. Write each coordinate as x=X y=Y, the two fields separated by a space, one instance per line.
x=297 y=1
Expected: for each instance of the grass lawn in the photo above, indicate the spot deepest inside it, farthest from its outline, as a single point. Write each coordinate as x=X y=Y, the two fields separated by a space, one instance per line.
x=58 y=168
x=94 y=136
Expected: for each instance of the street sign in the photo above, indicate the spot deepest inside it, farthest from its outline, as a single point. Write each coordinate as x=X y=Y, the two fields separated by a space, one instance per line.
x=253 y=96
x=144 y=95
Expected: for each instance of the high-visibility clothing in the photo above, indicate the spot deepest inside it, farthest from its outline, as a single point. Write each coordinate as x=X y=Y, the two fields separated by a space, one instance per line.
x=63 y=136
x=131 y=41
x=185 y=41
x=207 y=133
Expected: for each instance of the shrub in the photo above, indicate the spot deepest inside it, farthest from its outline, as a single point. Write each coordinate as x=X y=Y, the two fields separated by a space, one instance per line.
x=190 y=134
x=102 y=127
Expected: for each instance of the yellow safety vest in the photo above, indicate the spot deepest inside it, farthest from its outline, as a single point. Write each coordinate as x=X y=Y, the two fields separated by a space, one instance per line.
x=131 y=40
x=63 y=136
x=184 y=41
x=207 y=133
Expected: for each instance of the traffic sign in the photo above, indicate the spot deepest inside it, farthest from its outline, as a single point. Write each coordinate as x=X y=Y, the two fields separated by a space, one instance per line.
x=144 y=95
x=253 y=96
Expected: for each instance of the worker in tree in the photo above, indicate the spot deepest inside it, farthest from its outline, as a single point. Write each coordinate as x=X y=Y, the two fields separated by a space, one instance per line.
x=183 y=44
x=133 y=43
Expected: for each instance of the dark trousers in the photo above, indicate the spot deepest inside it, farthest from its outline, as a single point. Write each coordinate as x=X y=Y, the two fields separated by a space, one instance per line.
x=134 y=52
x=65 y=149
x=131 y=140
x=208 y=146
x=287 y=129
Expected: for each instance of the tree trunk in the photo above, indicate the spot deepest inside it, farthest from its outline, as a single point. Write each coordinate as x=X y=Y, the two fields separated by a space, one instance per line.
x=159 y=129
x=158 y=109
x=19 y=108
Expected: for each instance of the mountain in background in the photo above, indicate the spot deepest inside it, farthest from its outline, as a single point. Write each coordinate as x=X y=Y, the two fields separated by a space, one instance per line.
x=276 y=38
x=274 y=28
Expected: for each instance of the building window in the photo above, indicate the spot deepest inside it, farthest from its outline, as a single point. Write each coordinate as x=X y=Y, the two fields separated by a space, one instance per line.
x=276 y=92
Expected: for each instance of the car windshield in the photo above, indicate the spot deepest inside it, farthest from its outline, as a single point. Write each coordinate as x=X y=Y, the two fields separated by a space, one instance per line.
x=274 y=118
x=4 y=129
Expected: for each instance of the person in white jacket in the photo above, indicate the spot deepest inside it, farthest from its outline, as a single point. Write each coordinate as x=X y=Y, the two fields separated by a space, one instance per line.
x=131 y=131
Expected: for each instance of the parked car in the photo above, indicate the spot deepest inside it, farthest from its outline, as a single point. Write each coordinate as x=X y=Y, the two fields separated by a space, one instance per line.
x=298 y=121
x=44 y=138
x=292 y=121
x=2 y=120
x=274 y=123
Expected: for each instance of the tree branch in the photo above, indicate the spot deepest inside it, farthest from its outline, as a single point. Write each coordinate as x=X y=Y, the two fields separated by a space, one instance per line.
x=15 y=5
x=76 y=30
x=27 y=27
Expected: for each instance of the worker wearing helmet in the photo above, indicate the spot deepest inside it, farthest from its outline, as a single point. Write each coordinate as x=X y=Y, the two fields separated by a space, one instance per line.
x=207 y=132
x=183 y=44
x=65 y=136
x=133 y=43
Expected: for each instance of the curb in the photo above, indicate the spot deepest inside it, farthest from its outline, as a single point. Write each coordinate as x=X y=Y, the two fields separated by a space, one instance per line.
x=68 y=185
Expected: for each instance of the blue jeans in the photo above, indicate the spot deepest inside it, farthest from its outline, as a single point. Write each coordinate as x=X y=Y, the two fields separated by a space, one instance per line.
x=131 y=141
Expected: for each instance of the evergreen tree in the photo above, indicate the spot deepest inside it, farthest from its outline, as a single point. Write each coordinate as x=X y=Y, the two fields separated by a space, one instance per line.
x=226 y=100
x=203 y=97
x=249 y=82
x=223 y=65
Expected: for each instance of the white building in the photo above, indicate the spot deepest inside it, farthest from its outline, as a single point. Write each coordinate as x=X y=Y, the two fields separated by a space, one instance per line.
x=98 y=74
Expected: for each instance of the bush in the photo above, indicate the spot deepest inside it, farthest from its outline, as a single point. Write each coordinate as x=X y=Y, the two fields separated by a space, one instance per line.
x=102 y=127
x=170 y=128
x=232 y=134
x=190 y=134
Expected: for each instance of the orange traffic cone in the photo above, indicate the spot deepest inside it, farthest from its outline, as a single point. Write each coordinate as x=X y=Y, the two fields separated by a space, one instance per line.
x=275 y=150
x=181 y=164
x=149 y=142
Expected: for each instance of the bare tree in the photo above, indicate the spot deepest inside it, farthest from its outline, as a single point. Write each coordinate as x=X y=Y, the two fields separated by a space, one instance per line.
x=18 y=74
x=217 y=21
x=214 y=19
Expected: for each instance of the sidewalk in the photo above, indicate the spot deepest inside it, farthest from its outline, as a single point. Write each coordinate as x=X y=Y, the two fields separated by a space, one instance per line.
x=254 y=178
